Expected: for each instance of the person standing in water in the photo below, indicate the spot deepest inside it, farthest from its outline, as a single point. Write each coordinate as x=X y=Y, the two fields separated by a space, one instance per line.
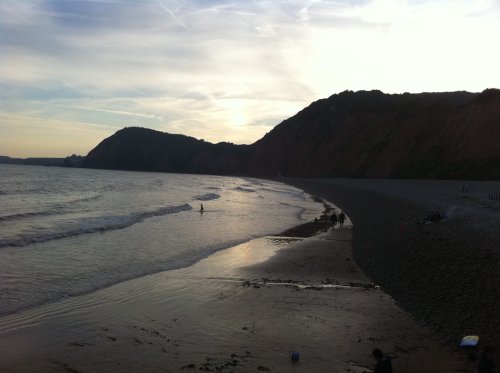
x=201 y=208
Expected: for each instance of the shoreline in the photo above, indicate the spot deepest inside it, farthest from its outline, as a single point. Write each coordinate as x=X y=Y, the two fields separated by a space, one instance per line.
x=240 y=309
x=303 y=230
x=446 y=274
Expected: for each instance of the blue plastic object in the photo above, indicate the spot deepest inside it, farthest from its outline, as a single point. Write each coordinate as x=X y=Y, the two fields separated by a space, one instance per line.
x=469 y=341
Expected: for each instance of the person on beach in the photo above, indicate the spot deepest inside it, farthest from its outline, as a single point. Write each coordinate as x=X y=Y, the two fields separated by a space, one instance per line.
x=486 y=362
x=383 y=362
x=466 y=187
x=341 y=219
x=201 y=207
x=437 y=216
x=334 y=218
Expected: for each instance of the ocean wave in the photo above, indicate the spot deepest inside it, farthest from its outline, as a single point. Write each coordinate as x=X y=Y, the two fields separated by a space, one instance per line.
x=24 y=215
x=93 y=225
x=283 y=191
x=253 y=181
x=207 y=197
x=299 y=195
x=84 y=199
x=246 y=190
x=107 y=188
x=54 y=210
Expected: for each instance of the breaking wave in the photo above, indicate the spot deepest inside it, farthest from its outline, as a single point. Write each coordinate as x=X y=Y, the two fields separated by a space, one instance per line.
x=53 y=210
x=93 y=225
x=207 y=197
x=246 y=190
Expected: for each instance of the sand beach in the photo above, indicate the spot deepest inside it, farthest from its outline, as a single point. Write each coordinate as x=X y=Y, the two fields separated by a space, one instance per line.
x=332 y=297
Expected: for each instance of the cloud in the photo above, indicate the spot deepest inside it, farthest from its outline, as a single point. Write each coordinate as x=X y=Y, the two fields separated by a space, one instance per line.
x=229 y=70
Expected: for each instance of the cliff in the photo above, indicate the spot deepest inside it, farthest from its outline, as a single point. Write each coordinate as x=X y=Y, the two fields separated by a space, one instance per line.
x=350 y=134
x=141 y=149
x=372 y=134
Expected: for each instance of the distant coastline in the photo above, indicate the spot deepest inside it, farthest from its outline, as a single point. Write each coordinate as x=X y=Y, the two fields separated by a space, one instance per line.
x=70 y=161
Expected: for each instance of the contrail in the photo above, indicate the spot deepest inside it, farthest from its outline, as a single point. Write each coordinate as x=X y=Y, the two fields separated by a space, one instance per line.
x=172 y=14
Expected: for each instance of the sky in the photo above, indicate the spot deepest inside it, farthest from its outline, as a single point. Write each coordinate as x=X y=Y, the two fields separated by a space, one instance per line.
x=73 y=72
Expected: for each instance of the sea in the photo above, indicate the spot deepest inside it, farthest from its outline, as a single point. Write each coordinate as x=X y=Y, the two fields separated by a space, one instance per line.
x=69 y=231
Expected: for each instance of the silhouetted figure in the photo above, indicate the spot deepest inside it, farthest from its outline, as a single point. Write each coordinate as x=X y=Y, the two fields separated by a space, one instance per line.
x=334 y=218
x=437 y=216
x=486 y=362
x=341 y=219
x=383 y=362
x=466 y=187
x=201 y=208
x=316 y=220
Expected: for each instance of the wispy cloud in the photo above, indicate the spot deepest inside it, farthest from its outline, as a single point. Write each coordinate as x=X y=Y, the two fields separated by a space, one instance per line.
x=228 y=70
x=172 y=14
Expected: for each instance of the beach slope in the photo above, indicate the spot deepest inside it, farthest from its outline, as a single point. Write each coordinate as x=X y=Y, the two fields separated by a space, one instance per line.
x=242 y=309
x=445 y=274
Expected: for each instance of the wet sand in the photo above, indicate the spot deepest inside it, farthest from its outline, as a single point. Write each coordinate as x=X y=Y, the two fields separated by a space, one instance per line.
x=243 y=309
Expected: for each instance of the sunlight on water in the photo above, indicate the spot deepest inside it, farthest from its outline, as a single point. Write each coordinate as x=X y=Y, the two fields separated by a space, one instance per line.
x=65 y=232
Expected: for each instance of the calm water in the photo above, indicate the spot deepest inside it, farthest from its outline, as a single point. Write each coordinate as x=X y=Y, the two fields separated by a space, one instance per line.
x=65 y=232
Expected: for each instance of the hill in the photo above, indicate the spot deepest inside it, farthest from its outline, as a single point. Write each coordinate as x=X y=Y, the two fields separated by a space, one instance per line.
x=350 y=134
x=141 y=149
x=372 y=134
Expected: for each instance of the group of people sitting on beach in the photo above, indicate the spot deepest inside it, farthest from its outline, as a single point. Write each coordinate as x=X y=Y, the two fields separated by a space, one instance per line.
x=435 y=217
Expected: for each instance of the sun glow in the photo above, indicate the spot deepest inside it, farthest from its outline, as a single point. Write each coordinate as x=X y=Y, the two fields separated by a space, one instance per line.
x=224 y=71
x=236 y=112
